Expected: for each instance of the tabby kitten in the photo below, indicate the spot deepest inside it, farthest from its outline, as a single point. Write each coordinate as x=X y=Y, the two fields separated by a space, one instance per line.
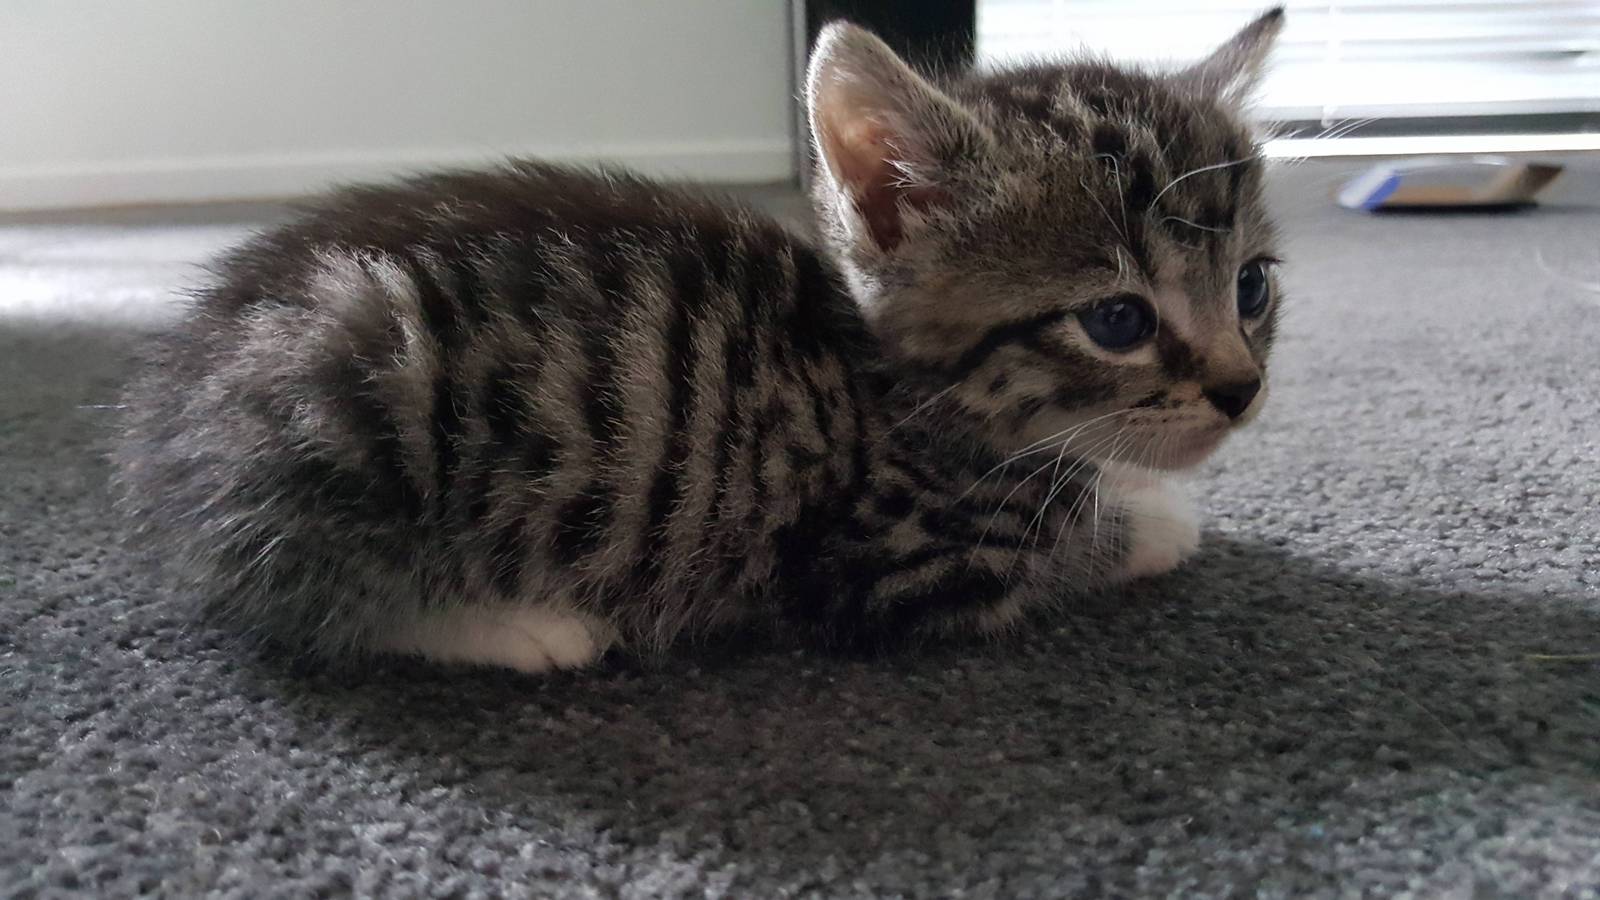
x=518 y=417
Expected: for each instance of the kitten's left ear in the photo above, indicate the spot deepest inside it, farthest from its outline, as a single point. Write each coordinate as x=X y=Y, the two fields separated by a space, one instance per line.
x=886 y=137
x=1233 y=70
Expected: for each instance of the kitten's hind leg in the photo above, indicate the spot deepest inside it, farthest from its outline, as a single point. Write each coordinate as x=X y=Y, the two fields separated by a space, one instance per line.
x=526 y=638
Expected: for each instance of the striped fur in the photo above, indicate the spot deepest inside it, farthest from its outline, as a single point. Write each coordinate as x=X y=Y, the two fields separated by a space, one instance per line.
x=582 y=409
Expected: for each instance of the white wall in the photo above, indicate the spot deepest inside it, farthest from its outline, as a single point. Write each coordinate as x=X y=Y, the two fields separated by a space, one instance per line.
x=117 y=101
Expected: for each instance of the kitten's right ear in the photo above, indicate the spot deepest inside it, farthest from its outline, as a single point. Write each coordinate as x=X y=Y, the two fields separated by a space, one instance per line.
x=886 y=137
x=1232 y=70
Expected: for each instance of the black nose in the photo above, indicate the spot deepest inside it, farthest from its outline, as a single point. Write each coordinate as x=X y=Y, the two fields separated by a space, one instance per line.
x=1233 y=399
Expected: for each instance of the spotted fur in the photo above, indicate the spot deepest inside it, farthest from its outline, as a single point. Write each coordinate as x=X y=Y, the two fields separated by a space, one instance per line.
x=518 y=416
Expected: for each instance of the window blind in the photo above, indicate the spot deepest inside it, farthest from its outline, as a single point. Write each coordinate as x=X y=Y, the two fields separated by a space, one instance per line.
x=1343 y=60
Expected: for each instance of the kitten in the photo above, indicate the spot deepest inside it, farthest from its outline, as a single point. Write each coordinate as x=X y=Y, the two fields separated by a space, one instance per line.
x=520 y=416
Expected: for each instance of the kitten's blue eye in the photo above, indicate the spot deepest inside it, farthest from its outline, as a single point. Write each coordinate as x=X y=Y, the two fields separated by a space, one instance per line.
x=1254 y=291
x=1120 y=323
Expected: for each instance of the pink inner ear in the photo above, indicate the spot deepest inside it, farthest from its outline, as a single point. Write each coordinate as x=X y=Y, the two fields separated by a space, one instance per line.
x=863 y=153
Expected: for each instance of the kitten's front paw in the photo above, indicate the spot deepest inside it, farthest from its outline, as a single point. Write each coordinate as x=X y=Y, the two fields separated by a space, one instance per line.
x=1162 y=530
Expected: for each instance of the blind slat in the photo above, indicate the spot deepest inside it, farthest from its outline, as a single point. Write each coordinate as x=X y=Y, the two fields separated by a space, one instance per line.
x=1350 y=58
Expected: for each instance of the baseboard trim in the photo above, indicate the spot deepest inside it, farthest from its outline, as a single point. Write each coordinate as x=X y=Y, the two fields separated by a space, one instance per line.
x=223 y=178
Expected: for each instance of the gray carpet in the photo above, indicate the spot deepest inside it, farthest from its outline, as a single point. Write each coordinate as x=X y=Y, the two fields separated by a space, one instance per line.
x=1380 y=677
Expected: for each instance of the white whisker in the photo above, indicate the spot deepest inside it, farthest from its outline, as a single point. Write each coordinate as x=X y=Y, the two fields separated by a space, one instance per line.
x=1043 y=445
x=1198 y=226
x=922 y=406
x=1211 y=168
x=1544 y=265
x=1069 y=524
x=1116 y=173
x=1055 y=489
x=1103 y=211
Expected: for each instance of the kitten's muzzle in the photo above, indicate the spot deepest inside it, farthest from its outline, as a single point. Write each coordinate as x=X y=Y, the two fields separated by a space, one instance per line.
x=1233 y=399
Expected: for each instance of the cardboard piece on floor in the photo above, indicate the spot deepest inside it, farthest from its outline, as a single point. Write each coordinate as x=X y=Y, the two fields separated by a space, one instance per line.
x=1481 y=182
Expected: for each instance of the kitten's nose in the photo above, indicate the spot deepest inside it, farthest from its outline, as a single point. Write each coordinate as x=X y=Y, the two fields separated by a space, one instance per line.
x=1233 y=399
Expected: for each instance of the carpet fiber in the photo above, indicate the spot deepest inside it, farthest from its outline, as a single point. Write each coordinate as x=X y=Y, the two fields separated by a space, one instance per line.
x=1382 y=673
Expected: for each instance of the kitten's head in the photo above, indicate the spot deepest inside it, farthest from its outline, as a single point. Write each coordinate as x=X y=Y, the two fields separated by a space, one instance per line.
x=1072 y=251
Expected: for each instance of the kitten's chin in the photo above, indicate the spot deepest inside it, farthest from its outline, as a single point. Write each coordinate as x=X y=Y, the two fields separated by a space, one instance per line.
x=1175 y=455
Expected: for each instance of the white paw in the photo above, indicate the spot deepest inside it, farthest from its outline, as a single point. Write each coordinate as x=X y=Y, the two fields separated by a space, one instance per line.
x=528 y=639
x=1163 y=529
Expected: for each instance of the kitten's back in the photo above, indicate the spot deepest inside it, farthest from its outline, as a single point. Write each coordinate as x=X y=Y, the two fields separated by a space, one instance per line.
x=486 y=387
